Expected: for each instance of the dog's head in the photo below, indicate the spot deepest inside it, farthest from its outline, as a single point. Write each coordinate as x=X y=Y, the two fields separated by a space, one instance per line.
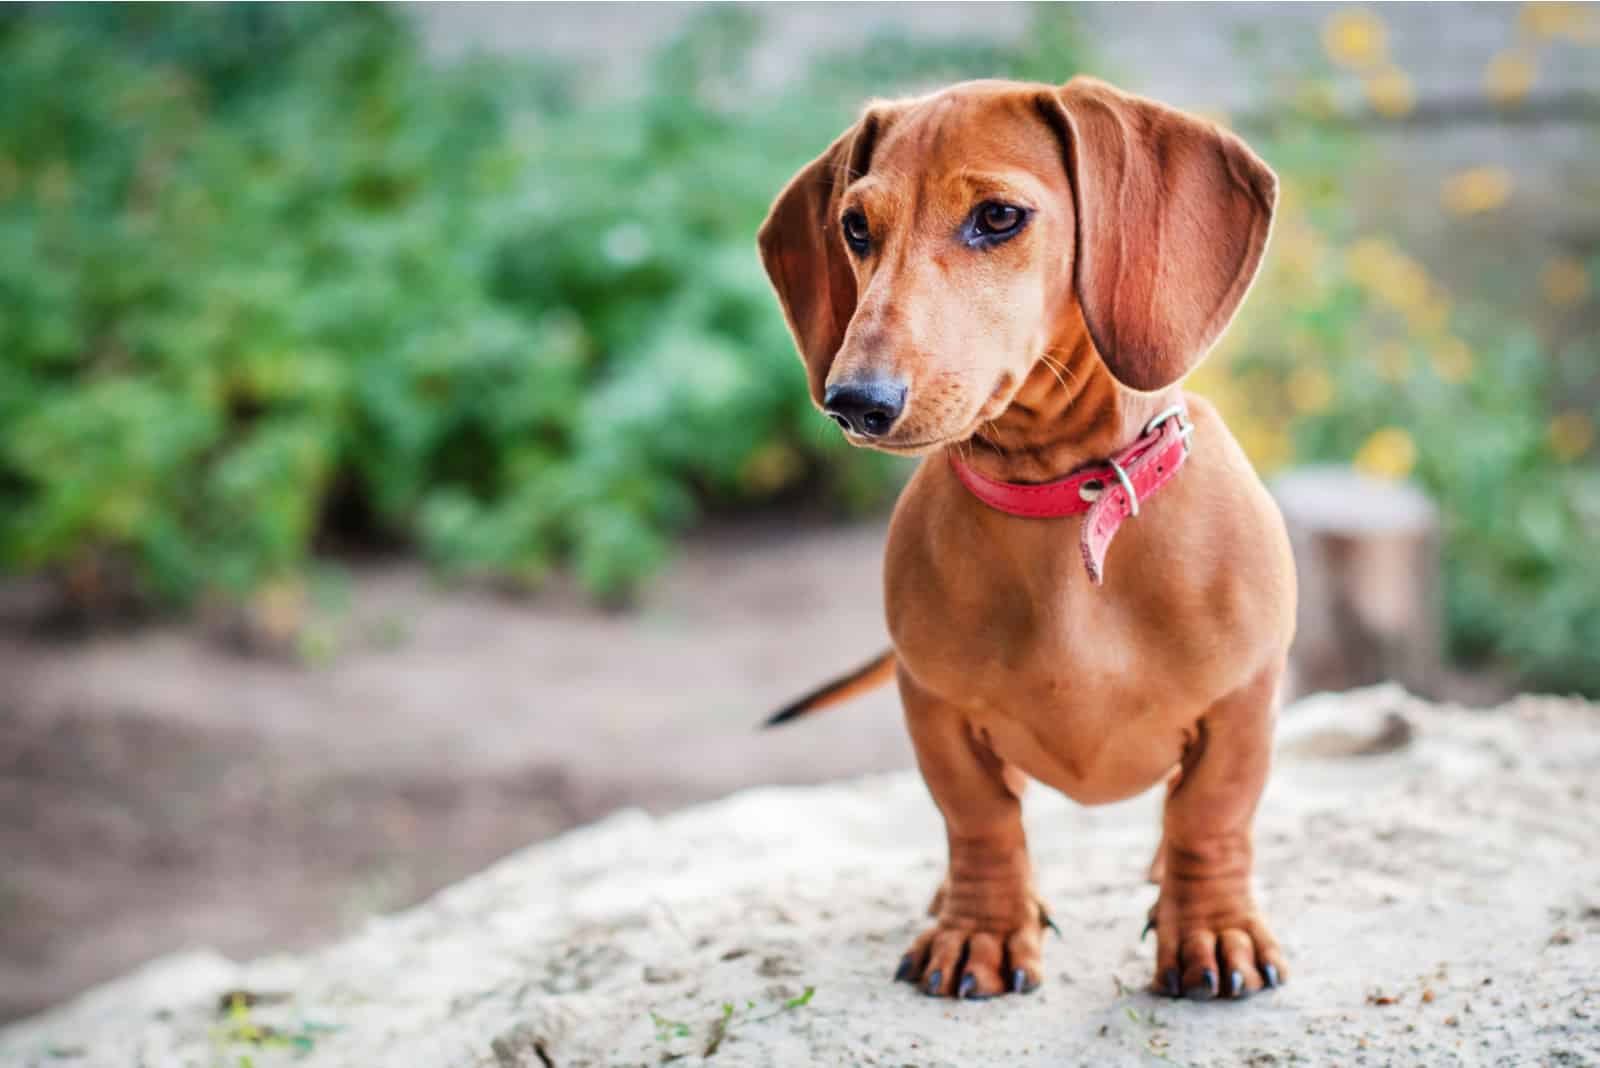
x=930 y=257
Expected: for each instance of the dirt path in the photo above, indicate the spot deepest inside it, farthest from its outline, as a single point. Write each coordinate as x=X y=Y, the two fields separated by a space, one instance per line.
x=158 y=792
x=1433 y=877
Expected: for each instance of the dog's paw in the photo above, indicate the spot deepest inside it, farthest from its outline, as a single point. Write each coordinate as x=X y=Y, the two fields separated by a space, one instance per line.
x=1215 y=952
x=952 y=959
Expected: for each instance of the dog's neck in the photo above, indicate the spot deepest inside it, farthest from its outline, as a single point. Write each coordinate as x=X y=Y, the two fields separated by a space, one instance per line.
x=1069 y=413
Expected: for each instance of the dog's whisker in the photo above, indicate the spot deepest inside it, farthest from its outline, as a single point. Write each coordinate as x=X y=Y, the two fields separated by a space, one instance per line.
x=994 y=432
x=1060 y=358
x=1058 y=366
x=1055 y=369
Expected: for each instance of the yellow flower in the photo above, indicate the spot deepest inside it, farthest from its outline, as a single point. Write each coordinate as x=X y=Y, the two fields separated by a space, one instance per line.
x=1355 y=37
x=1394 y=361
x=1478 y=190
x=1367 y=261
x=1310 y=390
x=1388 y=453
x=1389 y=274
x=1268 y=447
x=1451 y=359
x=1406 y=283
x=1390 y=93
x=1431 y=315
x=1569 y=20
x=1212 y=381
x=1564 y=280
x=1571 y=434
x=1508 y=77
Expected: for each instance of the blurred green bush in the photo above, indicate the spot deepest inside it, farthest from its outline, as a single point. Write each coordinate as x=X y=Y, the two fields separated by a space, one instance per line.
x=266 y=271
x=1349 y=351
x=260 y=259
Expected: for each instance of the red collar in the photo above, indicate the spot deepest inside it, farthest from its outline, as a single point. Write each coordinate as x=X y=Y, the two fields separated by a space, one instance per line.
x=1106 y=495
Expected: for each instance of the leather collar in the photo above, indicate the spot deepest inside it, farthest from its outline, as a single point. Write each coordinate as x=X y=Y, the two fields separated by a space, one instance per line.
x=1105 y=495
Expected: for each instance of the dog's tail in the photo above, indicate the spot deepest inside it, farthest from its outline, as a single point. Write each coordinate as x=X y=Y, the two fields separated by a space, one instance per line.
x=866 y=677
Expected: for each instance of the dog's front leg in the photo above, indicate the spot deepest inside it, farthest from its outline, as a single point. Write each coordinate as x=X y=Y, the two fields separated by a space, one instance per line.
x=1211 y=940
x=986 y=937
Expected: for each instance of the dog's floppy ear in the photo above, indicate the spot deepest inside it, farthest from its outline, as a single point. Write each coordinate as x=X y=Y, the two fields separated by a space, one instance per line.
x=803 y=250
x=1172 y=220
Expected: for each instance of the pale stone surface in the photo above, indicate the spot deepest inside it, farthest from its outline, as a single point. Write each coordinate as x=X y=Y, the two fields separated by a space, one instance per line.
x=1451 y=867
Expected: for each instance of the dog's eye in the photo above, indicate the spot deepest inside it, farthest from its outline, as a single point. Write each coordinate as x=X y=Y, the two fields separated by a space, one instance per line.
x=856 y=233
x=994 y=219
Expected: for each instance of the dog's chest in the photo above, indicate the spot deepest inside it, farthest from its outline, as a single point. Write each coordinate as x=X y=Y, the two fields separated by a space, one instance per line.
x=1081 y=686
x=990 y=621
x=1088 y=710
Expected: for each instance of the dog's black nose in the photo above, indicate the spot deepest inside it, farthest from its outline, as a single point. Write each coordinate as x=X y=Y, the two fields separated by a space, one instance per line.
x=868 y=408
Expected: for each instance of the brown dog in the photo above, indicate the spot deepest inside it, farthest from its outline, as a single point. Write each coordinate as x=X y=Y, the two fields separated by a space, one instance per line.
x=1011 y=280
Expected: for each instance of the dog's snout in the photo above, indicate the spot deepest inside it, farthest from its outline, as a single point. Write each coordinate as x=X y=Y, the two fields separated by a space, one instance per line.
x=868 y=408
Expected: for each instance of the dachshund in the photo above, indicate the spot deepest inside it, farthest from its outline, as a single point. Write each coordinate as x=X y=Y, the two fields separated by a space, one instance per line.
x=1085 y=581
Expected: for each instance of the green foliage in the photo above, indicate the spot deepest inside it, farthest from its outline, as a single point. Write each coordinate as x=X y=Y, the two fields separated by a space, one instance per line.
x=1350 y=351
x=254 y=256
x=258 y=262
x=240 y=1028
x=669 y=1031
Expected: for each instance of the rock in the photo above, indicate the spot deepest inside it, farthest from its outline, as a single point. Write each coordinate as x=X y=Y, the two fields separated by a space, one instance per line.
x=764 y=929
x=656 y=973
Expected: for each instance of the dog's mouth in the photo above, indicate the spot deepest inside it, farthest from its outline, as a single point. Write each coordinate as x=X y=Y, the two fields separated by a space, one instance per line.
x=917 y=447
x=907 y=448
x=1005 y=389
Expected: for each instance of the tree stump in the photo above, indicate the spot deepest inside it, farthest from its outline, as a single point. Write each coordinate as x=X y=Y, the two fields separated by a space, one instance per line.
x=1367 y=553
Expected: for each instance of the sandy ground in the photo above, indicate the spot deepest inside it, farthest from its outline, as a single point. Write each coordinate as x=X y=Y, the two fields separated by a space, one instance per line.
x=159 y=792
x=1433 y=877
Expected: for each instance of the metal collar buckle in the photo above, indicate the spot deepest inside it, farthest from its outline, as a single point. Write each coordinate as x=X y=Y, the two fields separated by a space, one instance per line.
x=1127 y=486
x=1092 y=489
x=1185 y=428
x=1185 y=431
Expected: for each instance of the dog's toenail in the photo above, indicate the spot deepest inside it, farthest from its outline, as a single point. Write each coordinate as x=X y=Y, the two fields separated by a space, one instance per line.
x=1271 y=972
x=1235 y=984
x=969 y=986
x=902 y=973
x=1149 y=925
x=1172 y=984
x=1020 y=983
x=934 y=982
x=1206 y=992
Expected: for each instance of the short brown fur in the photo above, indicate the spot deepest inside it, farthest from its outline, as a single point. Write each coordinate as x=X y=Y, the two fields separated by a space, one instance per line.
x=1033 y=358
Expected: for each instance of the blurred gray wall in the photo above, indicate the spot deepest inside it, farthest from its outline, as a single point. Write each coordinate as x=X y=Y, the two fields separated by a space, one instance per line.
x=1217 y=57
x=1187 y=54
